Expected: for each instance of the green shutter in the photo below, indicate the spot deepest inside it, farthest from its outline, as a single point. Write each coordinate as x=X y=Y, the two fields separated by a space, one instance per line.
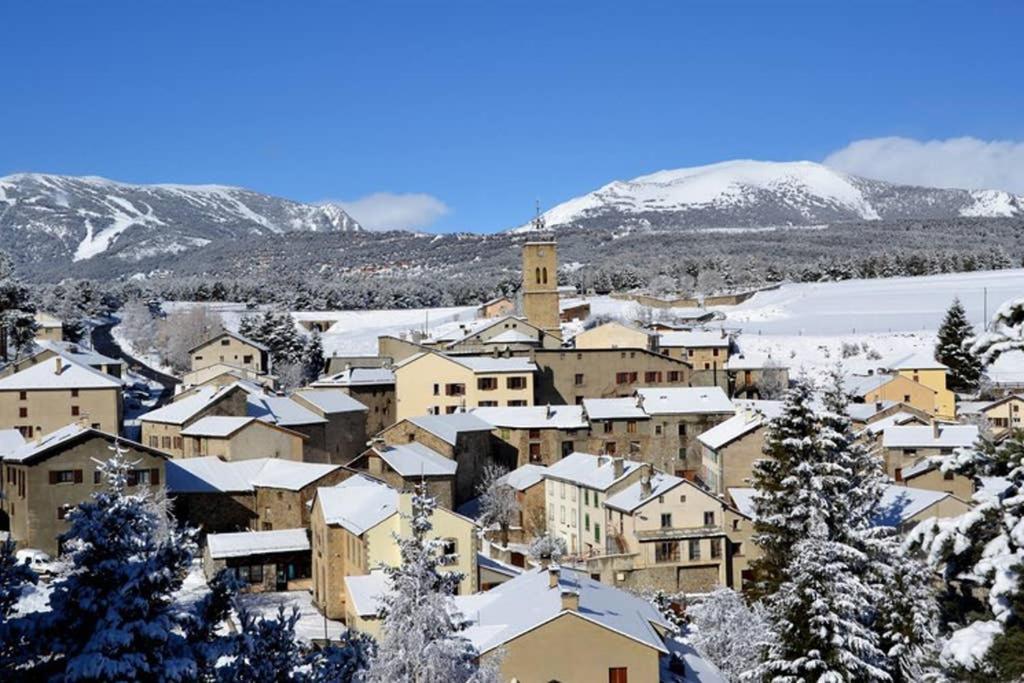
x=597 y=533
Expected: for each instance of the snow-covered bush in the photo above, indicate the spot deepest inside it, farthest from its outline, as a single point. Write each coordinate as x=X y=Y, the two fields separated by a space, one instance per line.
x=498 y=503
x=547 y=548
x=728 y=632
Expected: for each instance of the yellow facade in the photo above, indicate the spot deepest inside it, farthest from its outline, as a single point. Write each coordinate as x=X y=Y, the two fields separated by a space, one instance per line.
x=226 y=348
x=36 y=412
x=432 y=384
x=934 y=379
x=255 y=440
x=540 y=286
x=613 y=335
x=903 y=389
x=1006 y=414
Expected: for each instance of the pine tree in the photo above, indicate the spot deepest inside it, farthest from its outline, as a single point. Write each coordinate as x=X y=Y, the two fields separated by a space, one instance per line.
x=420 y=630
x=1006 y=333
x=952 y=350
x=15 y=642
x=313 y=357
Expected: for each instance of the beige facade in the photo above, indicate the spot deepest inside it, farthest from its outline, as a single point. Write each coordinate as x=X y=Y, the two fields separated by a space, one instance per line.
x=163 y=431
x=933 y=479
x=223 y=374
x=496 y=308
x=50 y=328
x=434 y=384
x=233 y=349
x=905 y=390
x=934 y=379
x=36 y=412
x=732 y=464
x=540 y=286
x=1006 y=414
x=40 y=489
x=614 y=335
x=248 y=439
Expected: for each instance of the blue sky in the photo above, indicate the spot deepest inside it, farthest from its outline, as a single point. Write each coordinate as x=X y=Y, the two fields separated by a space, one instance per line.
x=477 y=109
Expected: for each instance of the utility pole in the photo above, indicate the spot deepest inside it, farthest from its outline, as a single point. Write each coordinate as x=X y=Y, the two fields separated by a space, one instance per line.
x=985 y=305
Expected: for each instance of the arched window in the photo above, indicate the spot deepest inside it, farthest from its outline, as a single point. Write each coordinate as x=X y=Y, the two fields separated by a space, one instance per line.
x=545 y=271
x=538 y=276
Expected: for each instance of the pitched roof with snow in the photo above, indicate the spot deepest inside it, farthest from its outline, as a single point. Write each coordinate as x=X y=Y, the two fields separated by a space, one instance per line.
x=750 y=415
x=358 y=503
x=859 y=385
x=490 y=364
x=590 y=471
x=511 y=337
x=246 y=543
x=10 y=440
x=632 y=497
x=949 y=436
x=71 y=375
x=350 y=377
x=752 y=361
x=685 y=400
x=448 y=427
x=210 y=474
x=534 y=417
x=78 y=353
x=895 y=420
x=416 y=460
x=184 y=409
x=279 y=410
x=862 y=412
x=216 y=426
x=919 y=360
x=235 y=335
x=365 y=591
x=697 y=339
x=523 y=477
x=614 y=409
x=331 y=401
x=29 y=451
x=527 y=601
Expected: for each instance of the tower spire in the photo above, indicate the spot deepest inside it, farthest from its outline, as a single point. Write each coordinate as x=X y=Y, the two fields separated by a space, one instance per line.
x=538 y=219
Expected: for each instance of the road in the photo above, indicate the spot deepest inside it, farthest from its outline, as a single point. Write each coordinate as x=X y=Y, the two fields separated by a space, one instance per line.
x=103 y=342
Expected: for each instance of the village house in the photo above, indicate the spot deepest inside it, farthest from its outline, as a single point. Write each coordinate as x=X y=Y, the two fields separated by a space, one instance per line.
x=263 y=561
x=496 y=308
x=618 y=426
x=667 y=532
x=49 y=328
x=567 y=376
x=240 y=438
x=435 y=384
x=570 y=310
x=678 y=415
x=283 y=411
x=264 y=494
x=353 y=530
x=756 y=377
x=730 y=449
x=345 y=430
x=468 y=337
x=373 y=387
x=223 y=374
x=404 y=466
x=44 y=479
x=1003 y=415
x=536 y=434
x=46 y=350
x=575 y=488
x=876 y=416
x=528 y=483
x=921 y=367
x=232 y=348
x=615 y=335
x=880 y=388
x=161 y=428
x=706 y=350
x=928 y=474
x=46 y=396
x=462 y=437
x=904 y=446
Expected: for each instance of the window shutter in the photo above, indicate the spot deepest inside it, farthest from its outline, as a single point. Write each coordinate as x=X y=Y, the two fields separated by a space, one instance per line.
x=154 y=476
x=78 y=476
x=53 y=477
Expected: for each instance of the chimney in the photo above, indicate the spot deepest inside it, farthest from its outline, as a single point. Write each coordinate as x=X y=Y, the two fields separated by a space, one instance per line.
x=553 y=573
x=570 y=601
x=639 y=400
x=496 y=352
x=878 y=406
x=550 y=413
x=617 y=467
x=935 y=429
x=58 y=364
x=645 y=482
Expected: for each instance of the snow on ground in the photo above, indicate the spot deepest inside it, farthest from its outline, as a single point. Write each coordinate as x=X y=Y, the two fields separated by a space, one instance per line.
x=311 y=624
x=355 y=332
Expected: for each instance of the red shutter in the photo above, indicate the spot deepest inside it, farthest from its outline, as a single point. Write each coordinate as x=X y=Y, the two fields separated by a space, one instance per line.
x=53 y=477
x=78 y=476
x=154 y=476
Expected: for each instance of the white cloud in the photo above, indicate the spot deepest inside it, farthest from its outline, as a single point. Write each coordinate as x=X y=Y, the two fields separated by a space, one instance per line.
x=967 y=162
x=390 y=211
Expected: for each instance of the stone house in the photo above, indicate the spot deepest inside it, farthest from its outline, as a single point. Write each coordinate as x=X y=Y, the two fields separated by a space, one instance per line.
x=403 y=466
x=615 y=335
x=345 y=432
x=730 y=449
x=46 y=396
x=496 y=308
x=618 y=426
x=677 y=416
x=233 y=348
x=264 y=561
x=240 y=438
x=161 y=428
x=705 y=350
x=905 y=446
x=536 y=434
x=372 y=387
x=43 y=479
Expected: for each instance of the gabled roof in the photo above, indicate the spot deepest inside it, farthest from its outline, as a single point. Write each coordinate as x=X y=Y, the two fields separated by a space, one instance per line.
x=523 y=477
x=448 y=427
x=695 y=339
x=750 y=415
x=72 y=375
x=919 y=360
x=75 y=352
x=987 y=405
x=358 y=504
x=859 y=385
x=685 y=400
x=862 y=412
x=632 y=497
x=949 y=436
x=511 y=337
x=217 y=425
x=614 y=409
x=527 y=601
x=184 y=409
x=331 y=401
x=279 y=410
x=246 y=543
x=591 y=471
x=479 y=364
x=235 y=335
x=366 y=590
x=210 y=474
x=30 y=452
x=534 y=417
x=350 y=377
x=416 y=460
x=10 y=440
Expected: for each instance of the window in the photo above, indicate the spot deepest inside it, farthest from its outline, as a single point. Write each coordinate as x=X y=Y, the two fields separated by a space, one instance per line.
x=561 y=485
x=597 y=532
x=694 y=548
x=906 y=398
x=535 y=455
x=65 y=476
x=597 y=503
x=567 y=448
x=666 y=551
x=437 y=390
x=487 y=383
x=948 y=476
x=666 y=520
x=74 y=411
x=23 y=412
x=247 y=359
x=609 y=447
x=631 y=426
x=250 y=573
x=449 y=551
x=154 y=442
x=617 y=674
x=682 y=429
x=578 y=378
x=689 y=352
x=714 y=352
x=551 y=514
x=515 y=383
x=621 y=377
x=673 y=375
x=572 y=494
x=608 y=426
x=707 y=366
x=449 y=410
x=735 y=525
x=682 y=453
x=586 y=521
x=165 y=441
x=652 y=376
x=534 y=433
x=586 y=496
x=709 y=519
x=657 y=430
x=177 y=442
x=487 y=404
x=22 y=395
x=561 y=509
x=455 y=389
x=716 y=548
x=62 y=511
x=74 y=393
x=518 y=403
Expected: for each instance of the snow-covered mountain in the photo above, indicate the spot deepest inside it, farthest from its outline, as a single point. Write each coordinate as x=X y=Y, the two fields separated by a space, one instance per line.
x=761 y=193
x=76 y=218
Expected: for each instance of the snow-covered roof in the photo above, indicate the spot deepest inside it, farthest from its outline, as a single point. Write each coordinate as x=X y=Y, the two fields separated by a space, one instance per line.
x=685 y=400
x=752 y=361
x=279 y=410
x=358 y=503
x=350 y=377
x=527 y=601
x=181 y=411
x=749 y=416
x=331 y=401
x=949 y=436
x=743 y=500
x=971 y=407
x=919 y=360
x=415 y=460
x=45 y=319
x=78 y=353
x=862 y=412
x=896 y=419
x=900 y=504
x=614 y=409
x=632 y=497
x=590 y=471
x=534 y=417
x=859 y=385
x=210 y=474
x=524 y=476
x=71 y=375
x=246 y=543
x=694 y=339
x=235 y=335
x=30 y=450
x=10 y=440
x=497 y=566
x=511 y=337
x=490 y=364
x=216 y=425
x=448 y=427
x=365 y=591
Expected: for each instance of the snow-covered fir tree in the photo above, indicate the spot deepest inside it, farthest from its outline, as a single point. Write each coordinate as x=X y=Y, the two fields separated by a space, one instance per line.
x=17 y=320
x=15 y=577
x=953 y=350
x=1005 y=333
x=981 y=557
x=498 y=503
x=295 y=358
x=729 y=633
x=420 y=629
x=547 y=549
